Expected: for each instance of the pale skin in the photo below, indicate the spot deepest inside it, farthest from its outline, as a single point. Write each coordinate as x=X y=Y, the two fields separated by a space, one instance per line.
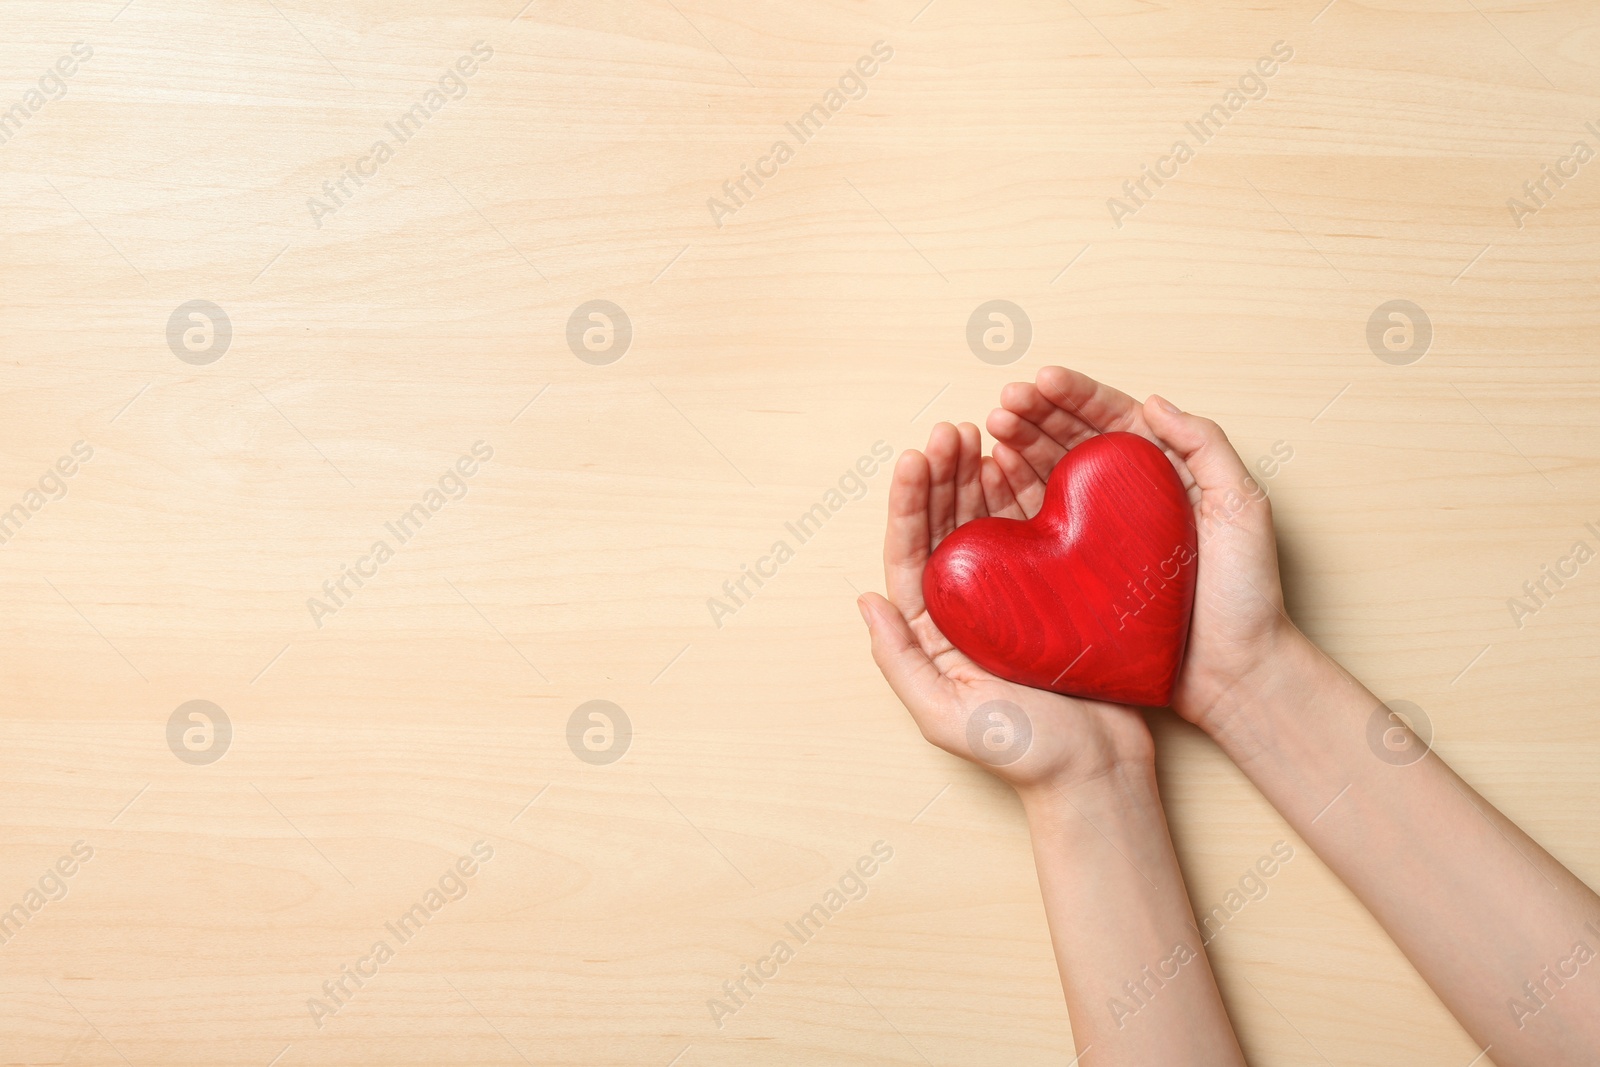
x=1488 y=918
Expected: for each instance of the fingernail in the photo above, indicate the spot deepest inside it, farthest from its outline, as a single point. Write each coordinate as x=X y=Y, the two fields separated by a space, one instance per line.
x=861 y=602
x=1168 y=406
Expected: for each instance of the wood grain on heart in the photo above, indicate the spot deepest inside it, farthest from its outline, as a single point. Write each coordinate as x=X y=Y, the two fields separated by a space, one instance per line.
x=1092 y=595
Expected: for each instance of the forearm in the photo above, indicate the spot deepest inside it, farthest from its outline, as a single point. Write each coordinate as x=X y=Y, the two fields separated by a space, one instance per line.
x=1138 y=986
x=1507 y=937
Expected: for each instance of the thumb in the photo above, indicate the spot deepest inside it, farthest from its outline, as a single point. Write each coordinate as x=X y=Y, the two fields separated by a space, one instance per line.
x=1205 y=449
x=905 y=666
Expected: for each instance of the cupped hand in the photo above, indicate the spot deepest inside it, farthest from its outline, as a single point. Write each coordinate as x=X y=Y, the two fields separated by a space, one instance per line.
x=1036 y=740
x=1238 y=609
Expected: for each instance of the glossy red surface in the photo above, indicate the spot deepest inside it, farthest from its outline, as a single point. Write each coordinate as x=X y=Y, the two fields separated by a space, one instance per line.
x=1089 y=597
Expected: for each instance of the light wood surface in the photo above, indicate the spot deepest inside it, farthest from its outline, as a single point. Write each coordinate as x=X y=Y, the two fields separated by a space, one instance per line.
x=770 y=353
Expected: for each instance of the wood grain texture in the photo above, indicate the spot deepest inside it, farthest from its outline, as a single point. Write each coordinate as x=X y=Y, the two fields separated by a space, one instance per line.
x=768 y=355
x=1092 y=595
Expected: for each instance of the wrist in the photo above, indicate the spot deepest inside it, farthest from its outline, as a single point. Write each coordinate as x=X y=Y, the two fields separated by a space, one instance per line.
x=1288 y=695
x=1122 y=789
x=1277 y=659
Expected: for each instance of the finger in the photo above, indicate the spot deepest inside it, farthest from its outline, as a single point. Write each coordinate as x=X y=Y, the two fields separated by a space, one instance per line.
x=969 y=490
x=1069 y=408
x=997 y=494
x=1024 y=402
x=1002 y=424
x=1201 y=444
x=906 y=667
x=944 y=447
x=1089 y=402
x=906 y=541
x=1041 y=452
x=1026 y=485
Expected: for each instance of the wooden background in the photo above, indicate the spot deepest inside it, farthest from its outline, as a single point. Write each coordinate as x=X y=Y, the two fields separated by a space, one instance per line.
x=768 y=354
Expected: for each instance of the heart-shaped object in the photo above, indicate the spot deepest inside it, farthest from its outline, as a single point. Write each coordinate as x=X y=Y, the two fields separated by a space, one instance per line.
x=1089 y=597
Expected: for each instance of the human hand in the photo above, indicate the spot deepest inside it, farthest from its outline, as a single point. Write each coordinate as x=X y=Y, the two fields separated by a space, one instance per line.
x=1035 y=740
x=1238 y=622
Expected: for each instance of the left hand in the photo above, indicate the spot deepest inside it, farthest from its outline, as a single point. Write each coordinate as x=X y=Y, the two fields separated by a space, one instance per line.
x=1037 y=741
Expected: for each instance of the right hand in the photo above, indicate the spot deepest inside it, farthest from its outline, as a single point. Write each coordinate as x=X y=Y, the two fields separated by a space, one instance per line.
x=1239 y=625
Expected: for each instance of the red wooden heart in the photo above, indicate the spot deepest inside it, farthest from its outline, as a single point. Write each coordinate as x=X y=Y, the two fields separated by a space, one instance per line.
x=1089 y=597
